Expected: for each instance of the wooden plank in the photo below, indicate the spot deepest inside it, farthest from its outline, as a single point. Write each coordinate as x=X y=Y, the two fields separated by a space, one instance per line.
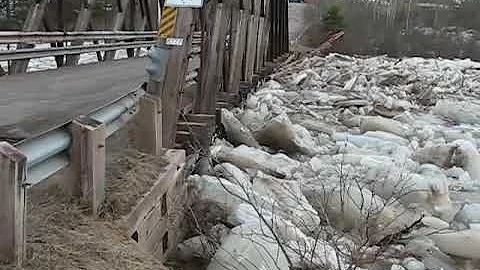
x=118 y=26
x=260 y=43
x=177 y=66
x=187 y=126
x=81 y=25
x=225 y=10
x=183 y=136
x=151 y=200
x=238 y=50
x=275 y=34
x=285 y=28
x=158 y=224
x=205 y=103
x=251 y=47
x=32 y=23
x=200 y=118
x=89 y=160
x=268 y=27
x=148 y=128
x=13 y=167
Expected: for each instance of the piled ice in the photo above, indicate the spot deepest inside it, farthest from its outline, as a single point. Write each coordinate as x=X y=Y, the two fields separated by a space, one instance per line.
x=340 y=162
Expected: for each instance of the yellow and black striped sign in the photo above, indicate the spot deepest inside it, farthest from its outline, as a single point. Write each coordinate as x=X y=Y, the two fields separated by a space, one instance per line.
x=168 y=21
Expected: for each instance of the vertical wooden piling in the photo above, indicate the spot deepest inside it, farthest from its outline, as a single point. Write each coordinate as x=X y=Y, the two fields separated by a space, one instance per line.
x=239 y=39
x=82 y=23
x=175 y=77
x=13 y=167
x=118 y=26
x=206 y=100
x=32 y=23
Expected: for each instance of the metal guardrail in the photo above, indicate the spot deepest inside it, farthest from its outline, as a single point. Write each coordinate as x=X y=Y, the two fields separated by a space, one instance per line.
x=9 y=37
x=46 y=52
x=48 y=153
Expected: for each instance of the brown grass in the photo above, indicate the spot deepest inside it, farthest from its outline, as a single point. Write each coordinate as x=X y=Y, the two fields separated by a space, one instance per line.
x=62 y=234
x=130 y=175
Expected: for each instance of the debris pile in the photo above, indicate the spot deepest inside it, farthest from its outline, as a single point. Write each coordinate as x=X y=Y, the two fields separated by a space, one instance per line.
x=343 y=162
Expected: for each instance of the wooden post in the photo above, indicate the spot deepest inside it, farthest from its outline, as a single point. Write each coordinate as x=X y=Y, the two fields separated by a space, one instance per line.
x=148 y=129
x=32 y=23
x=82 y=23
x=225 y=11
x=239 y=34
x=286 y=36
x=276 y=31
x=88 y=161
x=118 y=26
x=177 y=66
x=12 y=204
x=252 y=41
x=130 y=24
x=205 y=102
x=266 y=31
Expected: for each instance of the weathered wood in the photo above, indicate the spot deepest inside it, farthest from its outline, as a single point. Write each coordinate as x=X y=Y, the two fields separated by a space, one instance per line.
x=83 y=20
x=260 y=43
x=200 y=118
x=177 y=66
x=225 y=11
x=13 y=167
x=148 y=128
x=188 y=126
x=32 y=23
x=239 y=35
x=267 y=31
x=251 y=47
x=205 y=102
x=118 y=26
x=183 y=136
x=152 y=219
x=88 y=160
x=286 y=41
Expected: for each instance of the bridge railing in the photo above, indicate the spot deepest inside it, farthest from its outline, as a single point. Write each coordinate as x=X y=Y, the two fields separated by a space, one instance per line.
x=113 y=41
x=20 y=54
x=11 y=37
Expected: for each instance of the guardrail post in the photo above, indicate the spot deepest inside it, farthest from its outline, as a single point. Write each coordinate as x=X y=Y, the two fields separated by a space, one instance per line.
x=13 y=167
x=88 y=160
x=148 y=127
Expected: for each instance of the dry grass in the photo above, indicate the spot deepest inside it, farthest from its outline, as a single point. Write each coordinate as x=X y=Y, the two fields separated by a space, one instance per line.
x=130 y=175
x=63 y=235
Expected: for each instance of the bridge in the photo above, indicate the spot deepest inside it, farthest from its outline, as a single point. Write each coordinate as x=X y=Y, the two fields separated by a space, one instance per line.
x=55 y=122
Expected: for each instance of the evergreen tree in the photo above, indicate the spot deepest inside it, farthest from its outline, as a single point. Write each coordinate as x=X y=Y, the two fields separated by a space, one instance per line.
x=13 y=13
x=333 y=20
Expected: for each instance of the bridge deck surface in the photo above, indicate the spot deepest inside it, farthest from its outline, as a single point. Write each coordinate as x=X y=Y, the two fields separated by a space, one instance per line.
x=35 y=102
